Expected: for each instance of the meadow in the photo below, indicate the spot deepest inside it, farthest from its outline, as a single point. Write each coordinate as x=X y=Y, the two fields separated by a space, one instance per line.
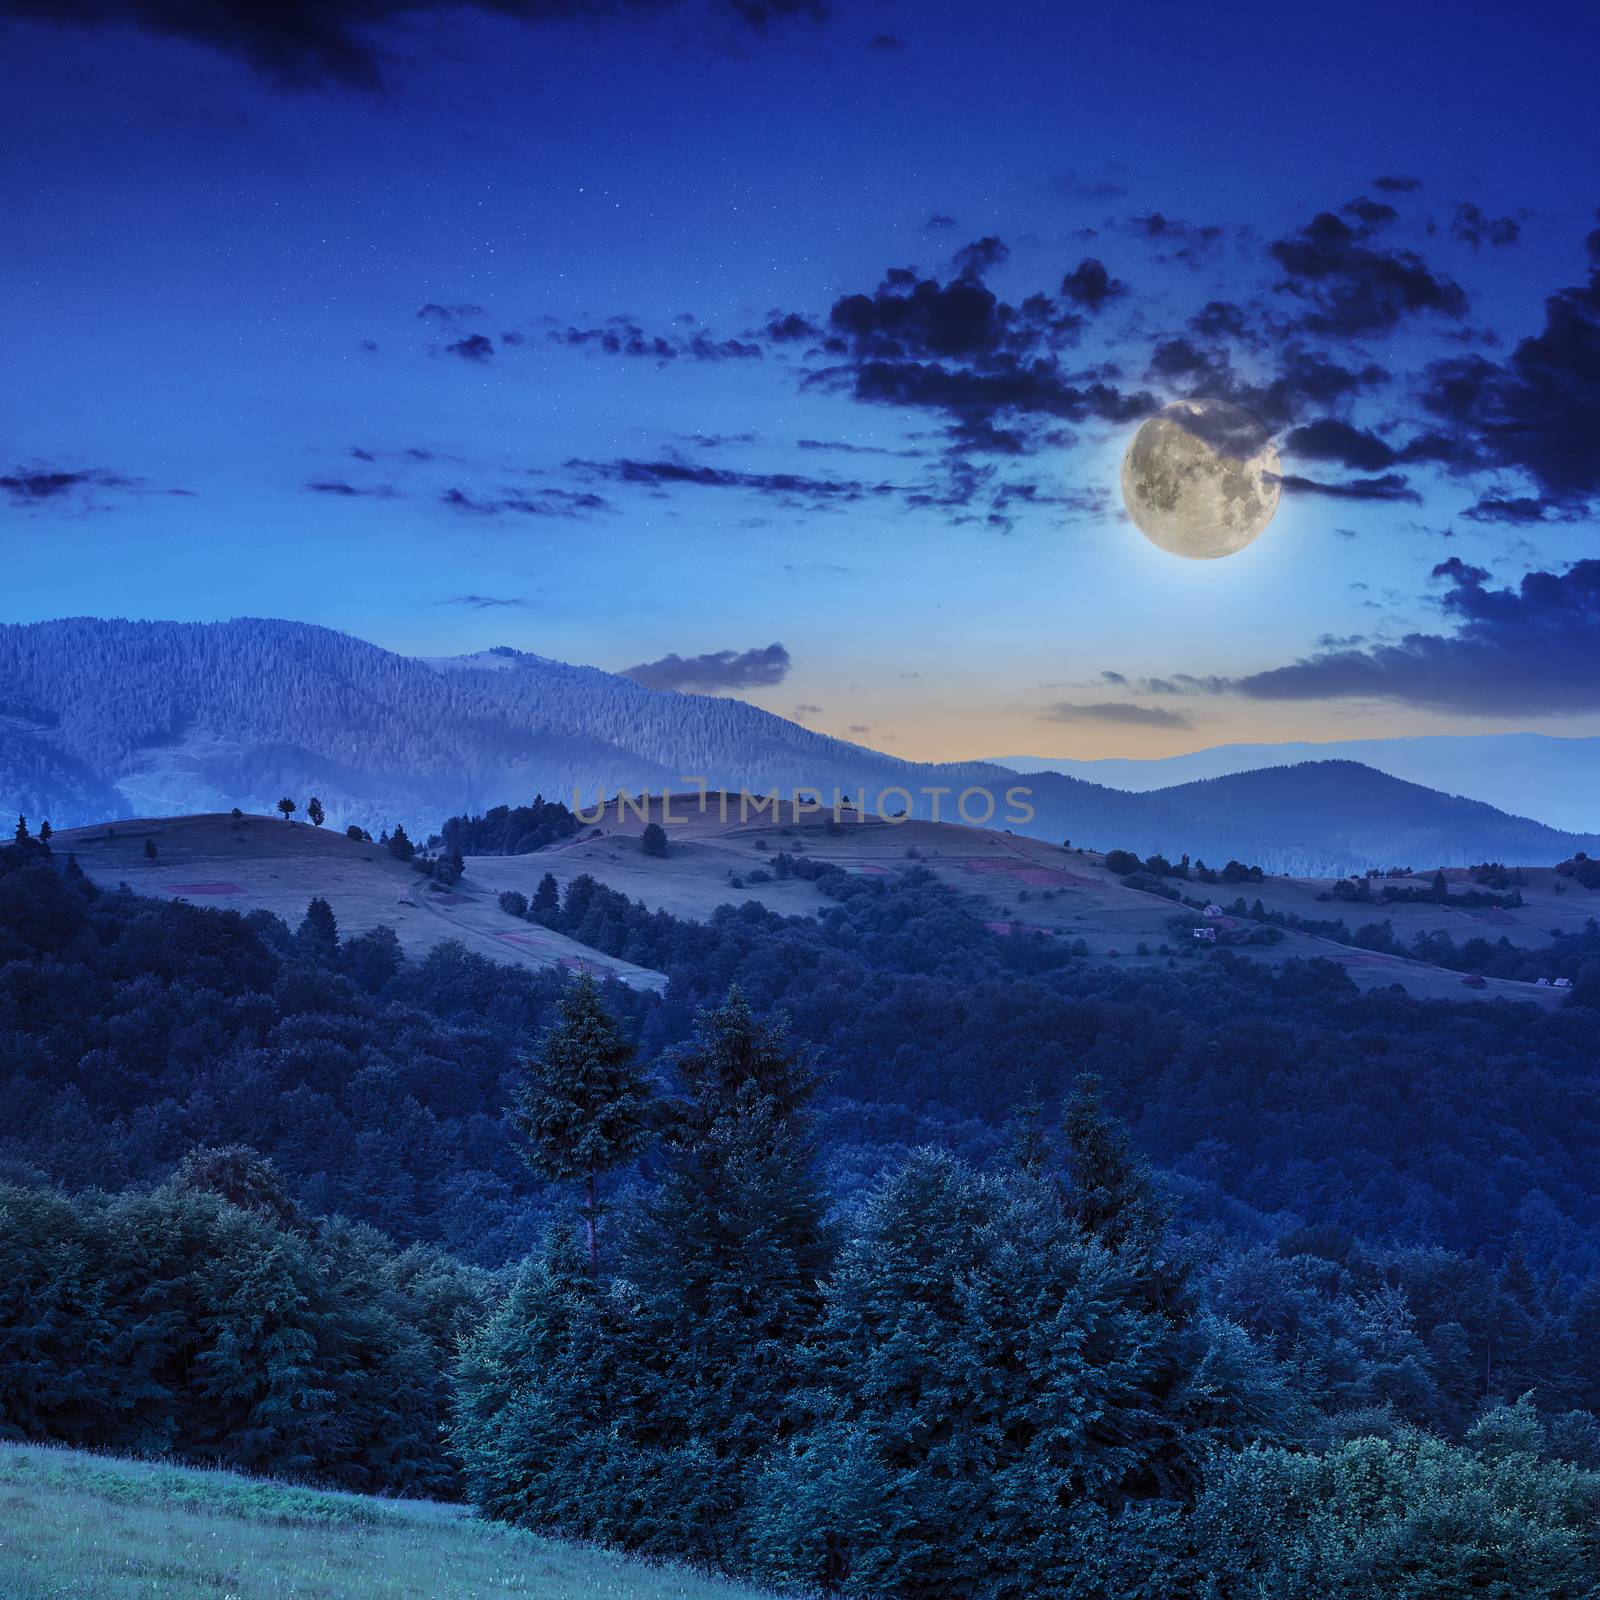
x=76 y=1526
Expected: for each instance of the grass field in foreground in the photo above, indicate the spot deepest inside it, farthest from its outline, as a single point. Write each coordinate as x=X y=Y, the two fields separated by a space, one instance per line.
x=84 y=1527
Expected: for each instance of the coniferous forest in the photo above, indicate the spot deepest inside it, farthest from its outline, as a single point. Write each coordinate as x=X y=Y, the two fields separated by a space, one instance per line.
x=880 y=1256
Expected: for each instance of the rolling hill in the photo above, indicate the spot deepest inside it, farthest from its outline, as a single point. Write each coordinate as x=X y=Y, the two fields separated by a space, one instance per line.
x=108 y=720
x=1012 y=883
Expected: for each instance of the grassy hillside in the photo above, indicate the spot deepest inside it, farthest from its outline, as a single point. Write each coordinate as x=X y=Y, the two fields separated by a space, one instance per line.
x=262 y=863
x=83 y=1527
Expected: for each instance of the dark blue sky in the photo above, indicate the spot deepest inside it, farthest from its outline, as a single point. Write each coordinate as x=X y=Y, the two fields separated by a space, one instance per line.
x=467 y=329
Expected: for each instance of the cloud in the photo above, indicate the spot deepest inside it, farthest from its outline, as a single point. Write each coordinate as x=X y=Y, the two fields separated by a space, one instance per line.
x=621 y=336
x=80 y=489
x=475 y=347
x=791 y=328
x=300 y=46
x=1538 y=411
x=1090 y=285
x=1353 y=288
x=1395 y=185
x=886 y=43
x=1390 y=486
x=1304 y=377
x=529 y=503
x=1516 y=509
x=1121 y=711
x=1328 y=439
x=1528 y=651
x=1187 y=242
x=717 y=670
x=1472 y=227
x=350 y=491
x=940 y=220
x=795 y=486
x=484 y=602
x=432 y=312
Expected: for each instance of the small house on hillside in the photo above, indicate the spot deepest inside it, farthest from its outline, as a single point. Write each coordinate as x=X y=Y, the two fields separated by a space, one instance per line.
x=1212 y=910
x=1206 y=935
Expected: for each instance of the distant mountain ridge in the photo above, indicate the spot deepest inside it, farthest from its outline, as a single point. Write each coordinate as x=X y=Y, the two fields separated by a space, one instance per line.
x=107 y=719
x=1555 y=779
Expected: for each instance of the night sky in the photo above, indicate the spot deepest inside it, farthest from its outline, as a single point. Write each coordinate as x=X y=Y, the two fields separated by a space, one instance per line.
x=793 y=353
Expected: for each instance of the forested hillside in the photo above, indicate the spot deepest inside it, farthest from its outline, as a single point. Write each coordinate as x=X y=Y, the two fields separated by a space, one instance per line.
x=859 y=1174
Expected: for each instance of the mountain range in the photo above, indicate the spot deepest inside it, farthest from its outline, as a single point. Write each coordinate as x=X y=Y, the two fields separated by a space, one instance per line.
x=102 y=720
x=1540 y=775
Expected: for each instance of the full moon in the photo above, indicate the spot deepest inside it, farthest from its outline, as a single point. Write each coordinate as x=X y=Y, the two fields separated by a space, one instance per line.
x=1201 y=479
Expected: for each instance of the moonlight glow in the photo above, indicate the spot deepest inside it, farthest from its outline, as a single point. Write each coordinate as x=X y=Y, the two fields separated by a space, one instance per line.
x=1201 y=479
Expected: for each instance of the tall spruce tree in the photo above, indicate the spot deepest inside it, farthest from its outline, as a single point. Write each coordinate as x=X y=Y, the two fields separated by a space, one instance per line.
x=726 y=1259
x=318 y=933
x=583 y=1104
x=546 y=905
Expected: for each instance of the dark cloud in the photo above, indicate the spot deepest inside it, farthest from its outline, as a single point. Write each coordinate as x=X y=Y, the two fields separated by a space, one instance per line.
x=1352 y=287
x=791 y=328
x=1089 y=284
x=621 y=336
x=484 y=602
x=1529 y=651
x=1472 y=227
x=1186 y=242
x=432 y=312
x=1123 y=711
x=1394 y=185
x=304 y=43
x=850 y=448
x=564 y=503
x=1390 y=486
x=717 y=670
x=886 y=43
x=957 y=348
x=1329 y=439
x=791 y=486
x=1370 y=214
x=1304 y=377
x=351 y=491
x=45 y=484
x=1224 y=319
x=940 y=220
x=981 y=256
x=475 y=347
x=1515 y=509
x=1538 y=411
x=79 y=489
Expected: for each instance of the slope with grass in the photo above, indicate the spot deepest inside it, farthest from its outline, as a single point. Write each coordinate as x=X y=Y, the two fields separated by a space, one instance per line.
x=85 y=1527
x=1013 y=883
x=262 y=863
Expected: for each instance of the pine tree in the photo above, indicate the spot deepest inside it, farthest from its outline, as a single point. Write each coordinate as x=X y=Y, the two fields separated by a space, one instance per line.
x=653 y=841
x=400 y=846
x=583 y=1104
x=725 y=1258
x=45 y=831
x=150 y=851
x=314 y=810
x=21 y=836
x=733 y=1051
x=547 y=900
x=318 y=933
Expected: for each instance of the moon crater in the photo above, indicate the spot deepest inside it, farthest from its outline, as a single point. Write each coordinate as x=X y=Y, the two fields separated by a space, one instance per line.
x=1201 y=479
